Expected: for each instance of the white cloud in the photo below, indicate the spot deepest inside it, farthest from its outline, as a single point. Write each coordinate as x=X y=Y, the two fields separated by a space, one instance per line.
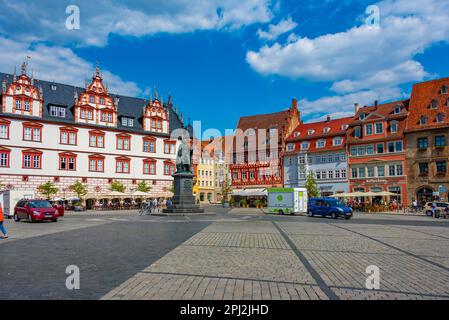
x=321 y=107
x=275 y=30
x=407 y=28
x=58 y=64
x=402 y=73
x=137 y=18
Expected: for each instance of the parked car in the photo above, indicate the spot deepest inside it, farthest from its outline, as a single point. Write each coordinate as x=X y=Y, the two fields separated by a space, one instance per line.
x=326 y=207
x=441 y=208
x=35 y=210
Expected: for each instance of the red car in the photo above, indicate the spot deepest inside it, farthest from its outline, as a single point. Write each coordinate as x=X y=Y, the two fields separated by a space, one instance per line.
x=35 y=210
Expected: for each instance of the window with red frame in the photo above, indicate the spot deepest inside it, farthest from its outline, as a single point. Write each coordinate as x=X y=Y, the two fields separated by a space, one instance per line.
x=96 y=139
x=32 y=132
x=122 y=165
x=68 y=136
x=149 y=166
x=32 y=160
x=67 y=161
x=123 y=142
x=86 y=113
x=169 y=147
x=96 y=164
x=4 y=157
x=23 y=104
x=4 y=129
x=169 y=169
x=156 y=124
x=149 y=145
x=107 y=116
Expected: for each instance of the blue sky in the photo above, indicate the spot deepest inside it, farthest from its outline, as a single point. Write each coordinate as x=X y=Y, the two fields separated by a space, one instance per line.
x=225 y=59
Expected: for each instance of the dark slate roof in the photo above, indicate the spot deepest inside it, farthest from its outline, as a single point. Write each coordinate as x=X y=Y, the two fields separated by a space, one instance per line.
x=64 y=96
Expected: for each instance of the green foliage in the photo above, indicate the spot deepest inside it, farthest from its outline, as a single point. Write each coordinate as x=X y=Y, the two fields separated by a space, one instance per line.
x=78 y=188
x=226 y=189
x=117 y=186
x=143 y=187
x=311 y=186
x=48 y=189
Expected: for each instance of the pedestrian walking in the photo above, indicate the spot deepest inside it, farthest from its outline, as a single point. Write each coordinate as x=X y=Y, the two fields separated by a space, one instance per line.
x=155 y=205
x=434 y=208
x=2 y=226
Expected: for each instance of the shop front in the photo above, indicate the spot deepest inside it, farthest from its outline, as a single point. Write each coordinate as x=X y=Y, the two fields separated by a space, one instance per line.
x=397 y=186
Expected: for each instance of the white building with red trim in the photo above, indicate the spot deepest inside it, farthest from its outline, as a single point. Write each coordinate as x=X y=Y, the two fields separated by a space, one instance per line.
x=61 y=133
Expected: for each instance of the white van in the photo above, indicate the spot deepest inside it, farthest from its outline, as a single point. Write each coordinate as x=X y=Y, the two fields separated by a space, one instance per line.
x=9 y=199
x=287 y=200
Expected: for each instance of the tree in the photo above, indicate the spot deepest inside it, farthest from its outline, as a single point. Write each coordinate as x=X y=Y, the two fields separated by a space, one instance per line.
x=226 y=189
x=78 y=188
x=48 y=189
x=311 y=186
x=117 y=186
x=143 y=187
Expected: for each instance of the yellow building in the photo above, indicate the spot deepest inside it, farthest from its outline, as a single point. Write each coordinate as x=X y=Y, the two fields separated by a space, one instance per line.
x=204 y=188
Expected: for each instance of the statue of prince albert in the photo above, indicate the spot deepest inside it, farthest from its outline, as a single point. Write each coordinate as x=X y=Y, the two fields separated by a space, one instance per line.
x=184 y=157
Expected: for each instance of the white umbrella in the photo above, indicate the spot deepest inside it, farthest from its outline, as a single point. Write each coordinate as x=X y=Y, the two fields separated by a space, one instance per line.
x=116 y=194
x=57 y=199
x=140 y=194
x=73 y=199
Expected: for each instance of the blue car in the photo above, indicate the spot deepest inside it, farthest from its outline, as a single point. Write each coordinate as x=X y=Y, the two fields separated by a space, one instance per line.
x=328 y=207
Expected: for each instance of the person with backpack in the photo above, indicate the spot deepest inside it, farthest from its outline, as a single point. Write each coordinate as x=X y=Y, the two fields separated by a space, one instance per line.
x=2 y=227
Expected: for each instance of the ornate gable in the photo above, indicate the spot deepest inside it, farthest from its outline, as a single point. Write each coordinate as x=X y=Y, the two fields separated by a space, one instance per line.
x=95 y=105
x=156 y=116
x=22 y=96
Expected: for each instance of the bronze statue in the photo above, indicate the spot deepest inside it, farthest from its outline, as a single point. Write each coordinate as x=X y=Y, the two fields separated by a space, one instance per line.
x=184 y=157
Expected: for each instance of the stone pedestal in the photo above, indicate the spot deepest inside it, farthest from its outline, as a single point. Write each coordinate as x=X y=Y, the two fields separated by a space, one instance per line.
x=183 y=200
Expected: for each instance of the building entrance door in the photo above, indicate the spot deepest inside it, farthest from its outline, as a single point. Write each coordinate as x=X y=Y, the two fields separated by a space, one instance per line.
x=424 y=195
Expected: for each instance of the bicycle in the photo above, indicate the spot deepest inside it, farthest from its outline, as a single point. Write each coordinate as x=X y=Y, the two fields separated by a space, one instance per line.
x=144 y=209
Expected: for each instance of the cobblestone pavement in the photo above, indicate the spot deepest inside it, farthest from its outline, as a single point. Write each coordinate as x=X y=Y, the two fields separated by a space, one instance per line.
x=233 y=255
x=292 y=260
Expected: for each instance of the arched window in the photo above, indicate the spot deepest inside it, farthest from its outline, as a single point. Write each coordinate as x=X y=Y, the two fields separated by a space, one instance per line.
x=439 y=118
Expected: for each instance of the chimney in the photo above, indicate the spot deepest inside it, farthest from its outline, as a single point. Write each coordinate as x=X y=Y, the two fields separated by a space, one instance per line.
x=356 y=107
x=294 y=103
x=328 y=118
x=376 y=104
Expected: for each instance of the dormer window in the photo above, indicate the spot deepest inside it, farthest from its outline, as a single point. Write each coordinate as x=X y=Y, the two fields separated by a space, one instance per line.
x=321 y=143
x=423 y=120
x=127 y=122
x=304 y=146
x=344 y=127
x=439 y=118
x=326 y=130
x=338 y=141
x=397 y=109
x=444 y=90
x=297 y=134
x=53 y=87
x=310 y=132
x=433 y=104
x=362 y=116
x=291 y=147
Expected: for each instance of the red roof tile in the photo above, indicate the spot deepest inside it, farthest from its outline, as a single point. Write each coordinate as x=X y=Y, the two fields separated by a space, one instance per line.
x=422 y=96
x=335 y=129
x=381 y=113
